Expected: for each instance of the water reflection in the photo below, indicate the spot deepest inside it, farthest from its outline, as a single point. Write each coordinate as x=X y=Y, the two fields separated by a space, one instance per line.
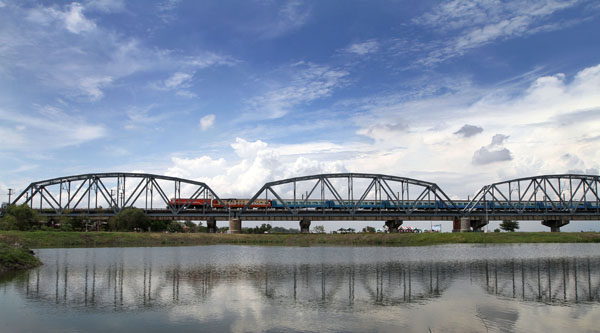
x=338 y=289
x=548 y=281
x=119 y=287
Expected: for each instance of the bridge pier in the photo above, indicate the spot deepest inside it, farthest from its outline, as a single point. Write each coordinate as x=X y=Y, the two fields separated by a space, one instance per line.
x=555 y=224
x=465 y=224
x=393 y=225
x=235 y=226
x=305 y=226
x=478 y=224
x=211 y=225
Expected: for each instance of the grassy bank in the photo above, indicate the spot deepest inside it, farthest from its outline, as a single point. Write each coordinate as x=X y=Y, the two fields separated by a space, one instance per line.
x=41 y=239
x=16 y=257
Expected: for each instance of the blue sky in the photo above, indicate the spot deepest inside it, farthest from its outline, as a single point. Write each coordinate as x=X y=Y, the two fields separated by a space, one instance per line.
x=237 y=93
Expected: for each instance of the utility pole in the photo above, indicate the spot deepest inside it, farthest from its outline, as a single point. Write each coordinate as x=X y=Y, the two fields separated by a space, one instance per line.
x=10 y=191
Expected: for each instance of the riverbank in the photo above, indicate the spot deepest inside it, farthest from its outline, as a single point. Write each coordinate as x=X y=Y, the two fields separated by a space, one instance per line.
x=48 y=239
x=16 y=257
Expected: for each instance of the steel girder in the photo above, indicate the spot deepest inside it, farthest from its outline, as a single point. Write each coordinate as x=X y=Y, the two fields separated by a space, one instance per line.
x=92 y=187
x=398 y=201
x=543 y=195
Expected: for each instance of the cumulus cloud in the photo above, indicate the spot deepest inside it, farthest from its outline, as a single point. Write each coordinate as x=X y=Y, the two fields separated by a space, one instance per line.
x=469 y=130
x=486 y=156
x=207 y=122
x=498 y=139
x=532 y=122
x=254 y=163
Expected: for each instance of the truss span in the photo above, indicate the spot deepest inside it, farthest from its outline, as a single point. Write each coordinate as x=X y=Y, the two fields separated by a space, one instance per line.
x=349 y=194
x=108 y=193
x=564 y=194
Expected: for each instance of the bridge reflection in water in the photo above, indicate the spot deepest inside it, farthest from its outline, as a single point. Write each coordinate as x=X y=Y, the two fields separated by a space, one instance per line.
x=115 y=286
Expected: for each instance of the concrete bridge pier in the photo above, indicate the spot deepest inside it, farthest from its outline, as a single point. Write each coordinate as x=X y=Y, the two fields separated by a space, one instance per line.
x=555 y=224
x=211 y=225
x=465 y=224
x=393 y=225
x=235 y=226
x=478 y=224
x=305 y=226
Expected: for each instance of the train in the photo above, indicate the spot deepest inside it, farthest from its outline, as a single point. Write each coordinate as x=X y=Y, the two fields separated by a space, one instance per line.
x=373 y=204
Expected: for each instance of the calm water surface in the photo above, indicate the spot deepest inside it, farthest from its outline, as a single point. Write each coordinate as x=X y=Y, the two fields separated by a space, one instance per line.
x=454 y=288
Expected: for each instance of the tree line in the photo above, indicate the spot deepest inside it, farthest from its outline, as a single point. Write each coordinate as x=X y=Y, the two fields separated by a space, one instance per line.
x=24 y=218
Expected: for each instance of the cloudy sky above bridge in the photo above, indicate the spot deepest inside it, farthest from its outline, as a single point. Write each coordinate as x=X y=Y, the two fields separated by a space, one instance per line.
x=237 y=93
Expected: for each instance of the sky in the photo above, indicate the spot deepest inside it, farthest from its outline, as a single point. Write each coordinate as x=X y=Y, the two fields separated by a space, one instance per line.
x=239 y=93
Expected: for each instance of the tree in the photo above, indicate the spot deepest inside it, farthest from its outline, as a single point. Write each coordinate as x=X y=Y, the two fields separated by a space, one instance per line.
x=130 y=219
x=175 y=227
x=508 y=225
x=190 y=226
x=368 y=229
x=20 y=217
x=158 y=225
x=319 y=229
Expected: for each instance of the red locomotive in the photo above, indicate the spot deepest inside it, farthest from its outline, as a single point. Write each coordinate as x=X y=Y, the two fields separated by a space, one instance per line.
x=214 y=203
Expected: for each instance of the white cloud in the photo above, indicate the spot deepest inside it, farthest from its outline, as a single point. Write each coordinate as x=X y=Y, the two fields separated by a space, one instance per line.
x=140 y=117
x=92 y=86
x=207 y=122
x=493 y=153
x=209 y=59
x=291 y=16
x=72 y=19
x=256 y=163
x=363 y=48
x=548 y=117
x=75 y=21
x=177 y=80
x=306 y=84
x=72 y=56
x=474 y=23
x=51 y=126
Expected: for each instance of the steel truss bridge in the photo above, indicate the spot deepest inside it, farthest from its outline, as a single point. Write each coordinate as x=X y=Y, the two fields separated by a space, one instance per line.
x=554 y=199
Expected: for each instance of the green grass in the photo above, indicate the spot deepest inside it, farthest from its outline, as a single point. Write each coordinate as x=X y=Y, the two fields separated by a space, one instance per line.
x=15 y=257
x=43 y=239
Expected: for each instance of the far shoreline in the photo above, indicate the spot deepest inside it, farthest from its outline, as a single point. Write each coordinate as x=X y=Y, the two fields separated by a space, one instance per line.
x=56 y=239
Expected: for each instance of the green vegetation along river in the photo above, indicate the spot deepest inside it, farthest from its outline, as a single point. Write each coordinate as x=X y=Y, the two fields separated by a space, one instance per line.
x=48 y=239
x=16 y=257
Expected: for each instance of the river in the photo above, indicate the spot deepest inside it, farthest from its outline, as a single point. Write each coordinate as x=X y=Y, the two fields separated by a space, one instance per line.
x=228 y=288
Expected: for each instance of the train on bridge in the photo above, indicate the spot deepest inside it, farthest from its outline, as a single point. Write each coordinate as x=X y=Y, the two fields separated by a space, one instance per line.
x=376 y=204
